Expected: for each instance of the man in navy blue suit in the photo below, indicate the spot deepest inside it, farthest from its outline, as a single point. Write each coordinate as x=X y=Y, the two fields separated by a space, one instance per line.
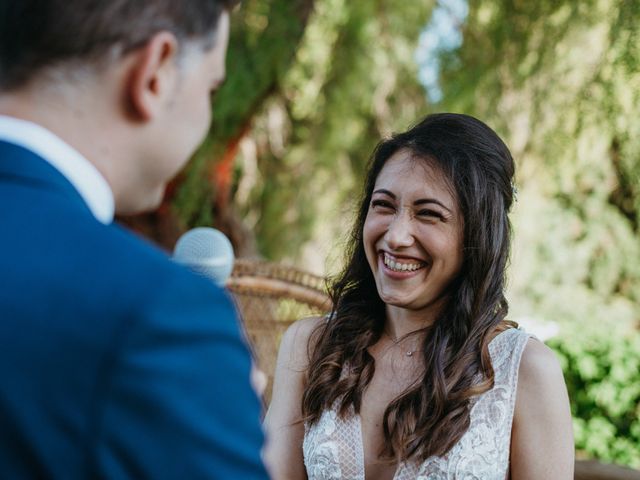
x=114 y=362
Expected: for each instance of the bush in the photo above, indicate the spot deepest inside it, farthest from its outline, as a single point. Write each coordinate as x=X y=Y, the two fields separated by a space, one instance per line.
x=603 y=379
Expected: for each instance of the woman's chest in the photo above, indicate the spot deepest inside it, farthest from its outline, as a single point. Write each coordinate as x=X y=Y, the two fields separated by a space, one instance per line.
x=389 y=382
x=345 y=448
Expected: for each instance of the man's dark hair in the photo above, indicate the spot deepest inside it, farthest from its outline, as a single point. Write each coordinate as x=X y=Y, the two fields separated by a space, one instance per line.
x=35 y=34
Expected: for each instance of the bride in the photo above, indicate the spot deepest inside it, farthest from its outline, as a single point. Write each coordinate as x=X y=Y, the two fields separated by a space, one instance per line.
x=416 y=373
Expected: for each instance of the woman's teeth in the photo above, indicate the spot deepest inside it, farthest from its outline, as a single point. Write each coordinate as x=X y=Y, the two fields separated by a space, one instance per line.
x=401 y=266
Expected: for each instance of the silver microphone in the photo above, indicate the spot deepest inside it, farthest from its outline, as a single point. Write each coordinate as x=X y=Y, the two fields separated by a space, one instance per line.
x=206 y=251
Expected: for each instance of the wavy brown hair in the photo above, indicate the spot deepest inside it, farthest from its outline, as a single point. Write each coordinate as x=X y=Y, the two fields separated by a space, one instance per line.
x=433 y=414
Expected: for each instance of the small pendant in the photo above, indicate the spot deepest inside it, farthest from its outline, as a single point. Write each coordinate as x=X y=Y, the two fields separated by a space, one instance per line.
x=410 y=353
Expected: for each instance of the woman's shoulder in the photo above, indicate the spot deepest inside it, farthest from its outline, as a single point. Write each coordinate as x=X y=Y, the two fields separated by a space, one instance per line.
x=298 y=339
x=301 y=330
x=538 y=375
x=507 y=348
x=539 y=365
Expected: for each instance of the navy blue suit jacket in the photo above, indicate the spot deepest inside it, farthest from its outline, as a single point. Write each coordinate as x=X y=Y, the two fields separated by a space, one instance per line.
x=114 y=362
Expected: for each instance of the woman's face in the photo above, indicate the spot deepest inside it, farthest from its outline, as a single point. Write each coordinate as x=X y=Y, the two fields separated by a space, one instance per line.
x=412 y=233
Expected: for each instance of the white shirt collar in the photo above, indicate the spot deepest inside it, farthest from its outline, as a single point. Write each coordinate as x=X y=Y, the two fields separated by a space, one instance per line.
x=82 y=174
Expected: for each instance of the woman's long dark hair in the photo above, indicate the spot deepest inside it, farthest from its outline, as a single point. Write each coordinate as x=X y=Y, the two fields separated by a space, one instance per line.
x=432 y=415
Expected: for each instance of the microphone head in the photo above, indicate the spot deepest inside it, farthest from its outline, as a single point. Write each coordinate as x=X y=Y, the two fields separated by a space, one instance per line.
x=206 y=251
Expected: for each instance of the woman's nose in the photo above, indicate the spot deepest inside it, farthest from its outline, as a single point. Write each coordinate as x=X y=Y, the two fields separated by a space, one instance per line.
x=399 y=233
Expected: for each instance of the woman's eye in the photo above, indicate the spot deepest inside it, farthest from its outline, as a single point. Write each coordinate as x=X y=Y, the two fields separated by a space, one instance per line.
x=432 y=214
x=381 y=205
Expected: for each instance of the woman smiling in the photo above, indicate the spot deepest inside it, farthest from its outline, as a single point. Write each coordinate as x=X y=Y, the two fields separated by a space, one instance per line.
x=417 y=373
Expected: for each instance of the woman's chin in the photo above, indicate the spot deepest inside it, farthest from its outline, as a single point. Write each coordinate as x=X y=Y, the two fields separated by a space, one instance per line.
x=394 y=300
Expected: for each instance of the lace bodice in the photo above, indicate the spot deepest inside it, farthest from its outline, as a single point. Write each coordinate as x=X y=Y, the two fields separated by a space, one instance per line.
x=333 y=446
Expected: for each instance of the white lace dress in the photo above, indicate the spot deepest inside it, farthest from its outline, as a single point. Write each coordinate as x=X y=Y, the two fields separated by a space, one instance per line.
x=333 y=446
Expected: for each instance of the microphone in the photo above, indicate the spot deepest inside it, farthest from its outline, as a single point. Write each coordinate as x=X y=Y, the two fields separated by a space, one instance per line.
x=206 y=251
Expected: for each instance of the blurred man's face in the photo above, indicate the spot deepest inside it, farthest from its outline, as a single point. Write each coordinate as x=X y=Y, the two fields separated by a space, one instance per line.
x=186 y=118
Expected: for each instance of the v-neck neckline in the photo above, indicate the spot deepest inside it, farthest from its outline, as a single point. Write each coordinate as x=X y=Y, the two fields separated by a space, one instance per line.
x=401 y=465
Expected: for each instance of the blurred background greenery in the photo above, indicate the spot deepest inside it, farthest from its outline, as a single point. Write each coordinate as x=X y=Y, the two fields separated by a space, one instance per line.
x=314 y=84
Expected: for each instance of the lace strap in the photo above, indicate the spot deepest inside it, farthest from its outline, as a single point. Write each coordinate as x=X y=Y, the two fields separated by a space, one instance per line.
x=509 y=352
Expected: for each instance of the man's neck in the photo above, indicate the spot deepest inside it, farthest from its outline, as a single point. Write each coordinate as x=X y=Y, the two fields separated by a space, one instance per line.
x=71 y=116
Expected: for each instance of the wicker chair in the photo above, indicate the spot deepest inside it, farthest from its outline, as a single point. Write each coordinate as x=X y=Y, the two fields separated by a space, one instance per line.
x=271 y=296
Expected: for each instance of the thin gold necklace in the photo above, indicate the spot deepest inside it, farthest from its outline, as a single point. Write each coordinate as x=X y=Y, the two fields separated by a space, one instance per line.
x=396 y=342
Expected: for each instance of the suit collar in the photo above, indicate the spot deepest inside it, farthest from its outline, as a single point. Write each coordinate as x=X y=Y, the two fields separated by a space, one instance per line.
x=68 y=162
x=19 y=165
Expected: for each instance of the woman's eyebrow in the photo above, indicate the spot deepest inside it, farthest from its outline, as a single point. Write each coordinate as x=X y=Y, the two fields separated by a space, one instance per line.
x=422 y=201
x=385 y=192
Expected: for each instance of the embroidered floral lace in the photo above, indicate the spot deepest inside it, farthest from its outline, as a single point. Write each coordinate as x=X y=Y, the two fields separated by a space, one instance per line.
x=333 y=446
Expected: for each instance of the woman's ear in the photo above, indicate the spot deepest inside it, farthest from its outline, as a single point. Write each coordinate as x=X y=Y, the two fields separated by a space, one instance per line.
x=152 y=76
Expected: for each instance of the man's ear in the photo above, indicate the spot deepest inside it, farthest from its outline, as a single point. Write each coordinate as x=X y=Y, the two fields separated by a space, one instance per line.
x=152 y=75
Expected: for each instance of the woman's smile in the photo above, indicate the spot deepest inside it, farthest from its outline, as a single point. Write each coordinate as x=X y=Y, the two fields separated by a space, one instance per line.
x=400 y=267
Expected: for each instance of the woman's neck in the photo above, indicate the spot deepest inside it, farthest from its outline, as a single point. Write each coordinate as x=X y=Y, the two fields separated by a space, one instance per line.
x=401 y=322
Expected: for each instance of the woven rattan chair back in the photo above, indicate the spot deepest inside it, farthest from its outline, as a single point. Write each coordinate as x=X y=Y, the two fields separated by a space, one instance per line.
x=270 y=297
